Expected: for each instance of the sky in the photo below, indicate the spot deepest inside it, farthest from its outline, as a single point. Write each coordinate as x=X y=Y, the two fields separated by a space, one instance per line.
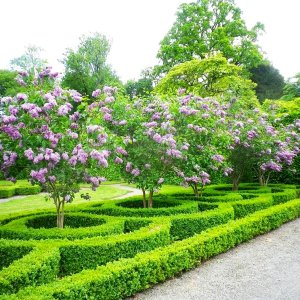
x=135 y=28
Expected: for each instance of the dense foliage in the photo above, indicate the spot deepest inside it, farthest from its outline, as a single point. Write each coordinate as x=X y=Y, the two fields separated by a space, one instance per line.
x=205 y=27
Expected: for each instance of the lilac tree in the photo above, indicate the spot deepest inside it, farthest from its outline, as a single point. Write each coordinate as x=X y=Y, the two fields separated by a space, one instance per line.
x=48 y=133
x=146 y=148
x=200 y=125
x=258 y=145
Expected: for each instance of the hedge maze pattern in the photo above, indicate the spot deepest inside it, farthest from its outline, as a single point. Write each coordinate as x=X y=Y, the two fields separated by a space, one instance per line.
x=113 y=249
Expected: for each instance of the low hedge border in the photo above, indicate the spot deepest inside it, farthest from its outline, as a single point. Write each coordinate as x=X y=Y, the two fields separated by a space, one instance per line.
x=41 y=265
x=17 y=229
x=113 y=208
x=7 y=191
x=74 y=256
x=125 y=277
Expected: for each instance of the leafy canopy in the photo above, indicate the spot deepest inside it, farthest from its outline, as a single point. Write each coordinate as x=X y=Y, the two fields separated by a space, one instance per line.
x=212 y=76
x=86 y=68
x=209 y=26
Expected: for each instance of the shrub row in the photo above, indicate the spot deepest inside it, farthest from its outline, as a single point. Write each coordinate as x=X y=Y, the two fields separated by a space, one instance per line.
x=42 y=264
x=125 y=277
x=18 y=228
x=23 y=189
x=166 y=207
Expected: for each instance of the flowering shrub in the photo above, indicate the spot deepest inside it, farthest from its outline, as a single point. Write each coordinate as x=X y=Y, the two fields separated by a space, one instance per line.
x=146 y=148
x=47 y=132
x=200 y=124
x=259 y=145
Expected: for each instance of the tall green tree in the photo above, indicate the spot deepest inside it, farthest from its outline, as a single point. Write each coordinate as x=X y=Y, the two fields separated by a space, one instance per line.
x=8 y=83
x=210 y=77
x=30 y=61
x=209 y=26
x=291 y=89
x=269 y=82
x=86 y=68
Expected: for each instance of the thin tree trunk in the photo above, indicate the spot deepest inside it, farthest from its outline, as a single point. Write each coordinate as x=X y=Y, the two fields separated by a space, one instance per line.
x=261 y=178
x=268 y=178
x=144 y=198
x=235 y=183
x=196 y=191
x=150 y=199
x=60 y=213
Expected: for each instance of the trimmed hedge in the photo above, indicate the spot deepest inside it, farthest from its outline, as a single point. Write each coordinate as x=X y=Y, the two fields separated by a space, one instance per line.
x=8 y=189
x=185 y=226
x=17 y=229
x=135 y=247
x=41 y=265
x=114 y=208
x=125 y=277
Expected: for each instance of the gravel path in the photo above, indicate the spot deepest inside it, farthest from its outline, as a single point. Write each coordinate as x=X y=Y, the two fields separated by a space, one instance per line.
x=131 y=192
x=266 y=268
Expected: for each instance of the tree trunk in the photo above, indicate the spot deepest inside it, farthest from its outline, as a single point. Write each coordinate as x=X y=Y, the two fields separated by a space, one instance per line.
x=144 y=198
x=235 y=184
x=196 y=191
x=150 y=199
x=60 y=214
x=261 y=178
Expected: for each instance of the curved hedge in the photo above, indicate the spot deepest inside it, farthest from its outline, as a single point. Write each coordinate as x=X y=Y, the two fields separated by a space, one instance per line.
x=114 y=249
x=8 y=189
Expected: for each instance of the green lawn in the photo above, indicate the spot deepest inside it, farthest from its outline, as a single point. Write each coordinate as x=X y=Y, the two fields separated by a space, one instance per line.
x=32 y=202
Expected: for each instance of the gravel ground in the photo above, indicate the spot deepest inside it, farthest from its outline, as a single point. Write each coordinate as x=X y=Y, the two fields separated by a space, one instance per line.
x=131 y=192
x=266 y=268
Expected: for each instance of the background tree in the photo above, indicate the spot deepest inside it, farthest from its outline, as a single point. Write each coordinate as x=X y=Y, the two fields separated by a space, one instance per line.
x=8 y=83
x=86 y=68
x=140 y=88
x=212 y=76
x=269 y=82
x=292 y=88
x=209 y=26
x=30 y=61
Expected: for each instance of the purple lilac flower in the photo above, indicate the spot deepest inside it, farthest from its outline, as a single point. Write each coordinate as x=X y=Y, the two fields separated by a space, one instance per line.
x=251 y=134
x=109 y=99
x=135 y=172
x=12 y=131
x=228 y=171
x=150 y=124
x=57 y=91
x=118 y=160
x=174 y=153
x=64 y=109
x=160 y=180
x=270 y=166
x=122 y=151
x=39 y=175
x=13 y=110
x=157 y=138
x=123 y=122
x=65 y=156
x=128 y=167
x=96 y=93
x=107 y=117
x=29 y=154
x=181 y=91
x=218 y=157
x=76 y=96
x=21 y=97
x=52 y=178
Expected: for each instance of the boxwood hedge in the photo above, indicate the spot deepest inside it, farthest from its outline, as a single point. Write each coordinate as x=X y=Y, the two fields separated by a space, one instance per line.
x=115 y=248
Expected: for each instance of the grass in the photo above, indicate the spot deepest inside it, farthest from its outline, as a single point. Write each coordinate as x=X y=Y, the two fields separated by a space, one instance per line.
x=33 y=202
